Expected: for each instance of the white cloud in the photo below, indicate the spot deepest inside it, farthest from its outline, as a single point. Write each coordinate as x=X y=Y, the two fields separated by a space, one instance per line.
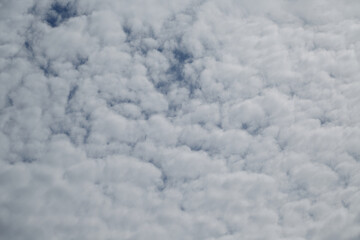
x=179 y=120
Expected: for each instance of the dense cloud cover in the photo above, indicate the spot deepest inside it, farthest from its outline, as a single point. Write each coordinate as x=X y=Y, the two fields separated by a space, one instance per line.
x=180 y=119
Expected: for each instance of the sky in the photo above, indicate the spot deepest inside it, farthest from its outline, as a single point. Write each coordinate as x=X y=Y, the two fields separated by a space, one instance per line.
x=182 y=119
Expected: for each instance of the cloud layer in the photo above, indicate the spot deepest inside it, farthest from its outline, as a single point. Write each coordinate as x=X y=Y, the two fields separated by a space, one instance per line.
x=179 y=120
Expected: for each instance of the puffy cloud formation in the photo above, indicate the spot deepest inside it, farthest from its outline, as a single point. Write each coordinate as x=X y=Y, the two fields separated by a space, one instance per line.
x=180 y=119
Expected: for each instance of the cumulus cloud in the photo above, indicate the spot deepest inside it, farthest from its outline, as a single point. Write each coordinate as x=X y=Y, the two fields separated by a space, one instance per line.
x=179 y=120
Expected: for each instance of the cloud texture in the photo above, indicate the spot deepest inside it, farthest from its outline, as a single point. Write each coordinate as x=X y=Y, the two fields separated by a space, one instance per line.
x=180 y=119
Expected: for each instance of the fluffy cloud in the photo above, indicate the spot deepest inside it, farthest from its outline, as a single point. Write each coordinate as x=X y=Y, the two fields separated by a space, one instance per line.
x=179 y=120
